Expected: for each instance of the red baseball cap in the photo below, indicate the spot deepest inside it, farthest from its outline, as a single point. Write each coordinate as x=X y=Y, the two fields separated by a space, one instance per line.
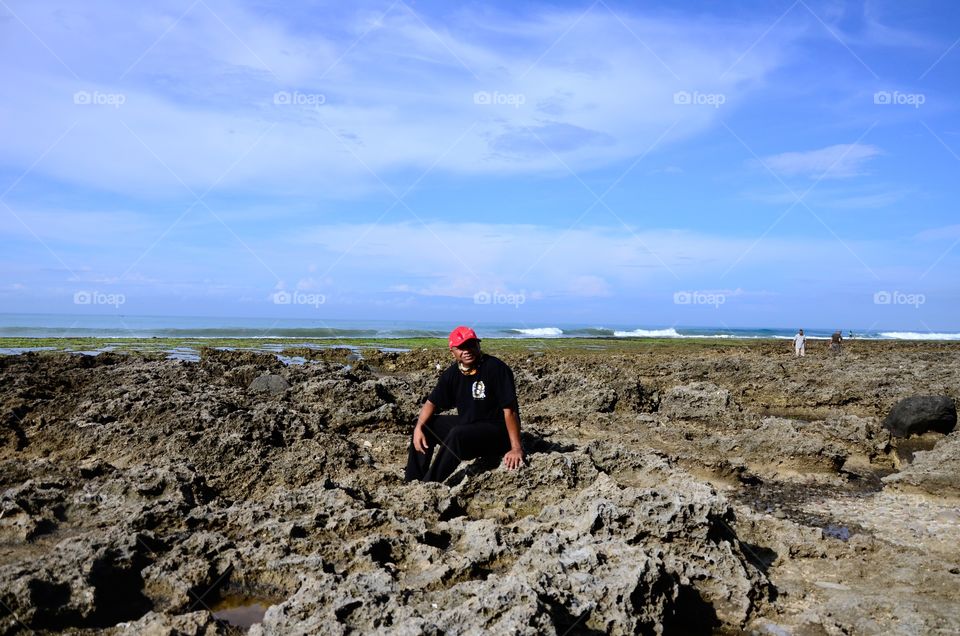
x=460 y=335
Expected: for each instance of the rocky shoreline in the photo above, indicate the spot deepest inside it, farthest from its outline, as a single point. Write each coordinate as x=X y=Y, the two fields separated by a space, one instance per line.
x=706 y=489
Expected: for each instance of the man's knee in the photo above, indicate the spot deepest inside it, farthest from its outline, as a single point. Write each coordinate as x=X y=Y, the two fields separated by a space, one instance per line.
x=454 y=437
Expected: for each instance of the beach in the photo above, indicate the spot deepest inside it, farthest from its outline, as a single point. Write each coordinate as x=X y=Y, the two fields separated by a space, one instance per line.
x=676 y=485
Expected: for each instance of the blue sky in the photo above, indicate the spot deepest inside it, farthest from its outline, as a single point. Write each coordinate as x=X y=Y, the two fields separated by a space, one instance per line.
x=652 y=164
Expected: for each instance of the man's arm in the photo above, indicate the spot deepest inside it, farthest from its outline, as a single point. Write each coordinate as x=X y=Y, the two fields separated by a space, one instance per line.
x=419 y=438
x=514 y=457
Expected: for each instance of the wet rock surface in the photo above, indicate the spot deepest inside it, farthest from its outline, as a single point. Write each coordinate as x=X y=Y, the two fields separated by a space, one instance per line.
x=711 y=490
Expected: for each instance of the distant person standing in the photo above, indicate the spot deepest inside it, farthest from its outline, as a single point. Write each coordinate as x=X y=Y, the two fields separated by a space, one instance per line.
x=799 y=344
x=836 y=343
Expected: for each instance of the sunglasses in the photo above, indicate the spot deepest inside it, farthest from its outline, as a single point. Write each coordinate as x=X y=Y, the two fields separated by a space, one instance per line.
x=468 y=345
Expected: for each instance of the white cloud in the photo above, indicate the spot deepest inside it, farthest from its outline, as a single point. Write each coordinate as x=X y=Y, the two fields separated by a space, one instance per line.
x=76 y=227
x=459 y=259
x=947 y=232
x=451 y=262
x=833 y=162
x=199 y=105
x=822 y=196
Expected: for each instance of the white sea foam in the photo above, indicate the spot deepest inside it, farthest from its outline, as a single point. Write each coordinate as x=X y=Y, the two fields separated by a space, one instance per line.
x=648 y=333
x=718 y=335
x=913 y=335
x=540 y=332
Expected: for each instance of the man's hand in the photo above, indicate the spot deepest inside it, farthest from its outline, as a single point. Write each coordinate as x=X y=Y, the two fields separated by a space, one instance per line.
x=513 y=459
x=420 y=440
x=420 y=443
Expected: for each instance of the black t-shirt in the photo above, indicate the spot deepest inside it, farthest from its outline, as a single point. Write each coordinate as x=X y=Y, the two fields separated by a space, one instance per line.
x=480 y=397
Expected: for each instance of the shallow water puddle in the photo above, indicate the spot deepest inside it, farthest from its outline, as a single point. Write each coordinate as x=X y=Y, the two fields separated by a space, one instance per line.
x=802 y=502
x=837 y=532
x=241 y=611
x=12 y=351
x=186 y=354
x=292 y=360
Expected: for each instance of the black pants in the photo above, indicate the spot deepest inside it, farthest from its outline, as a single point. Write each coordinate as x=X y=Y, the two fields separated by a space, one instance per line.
x=455 y=442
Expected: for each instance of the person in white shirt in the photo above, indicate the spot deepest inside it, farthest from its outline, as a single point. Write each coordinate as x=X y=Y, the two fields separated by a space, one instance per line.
x=799 y=344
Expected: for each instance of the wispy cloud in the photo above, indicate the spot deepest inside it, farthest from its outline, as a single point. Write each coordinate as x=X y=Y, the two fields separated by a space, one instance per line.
x=307 y=121
x=845 y=198
x=616 y=262
x=393 y=100
x=939 y=233
x=839 y=161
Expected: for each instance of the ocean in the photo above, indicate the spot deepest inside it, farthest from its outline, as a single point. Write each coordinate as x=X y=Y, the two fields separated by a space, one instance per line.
x=119 y=326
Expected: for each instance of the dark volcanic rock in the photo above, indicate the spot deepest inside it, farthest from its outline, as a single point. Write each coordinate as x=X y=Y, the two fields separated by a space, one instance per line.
x=270 y=383
x=917 y=415
x=85 y=581
x=668 y=490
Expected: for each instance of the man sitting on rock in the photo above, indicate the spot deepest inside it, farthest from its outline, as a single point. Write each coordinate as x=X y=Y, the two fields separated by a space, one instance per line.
x=487 y=421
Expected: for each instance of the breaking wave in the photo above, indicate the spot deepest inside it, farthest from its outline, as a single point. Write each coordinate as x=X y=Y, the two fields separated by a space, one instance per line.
x=539 y=332
x=648 y=333
x=913 y=335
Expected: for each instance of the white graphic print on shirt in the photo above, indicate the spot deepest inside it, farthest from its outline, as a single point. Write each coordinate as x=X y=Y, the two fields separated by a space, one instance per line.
x=479 y=390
